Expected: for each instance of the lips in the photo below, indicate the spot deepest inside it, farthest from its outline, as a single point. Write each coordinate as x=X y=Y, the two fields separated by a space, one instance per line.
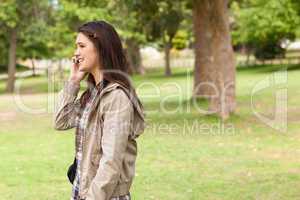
x=80 y=60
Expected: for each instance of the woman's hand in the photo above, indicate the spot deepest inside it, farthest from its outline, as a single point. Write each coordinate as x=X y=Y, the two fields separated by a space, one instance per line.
x=76 y=75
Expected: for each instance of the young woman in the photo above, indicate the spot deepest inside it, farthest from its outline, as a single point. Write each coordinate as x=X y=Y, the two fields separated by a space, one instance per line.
x=108 y=116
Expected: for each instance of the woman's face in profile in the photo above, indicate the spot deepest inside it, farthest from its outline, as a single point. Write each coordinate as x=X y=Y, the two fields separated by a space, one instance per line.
x=86 y=53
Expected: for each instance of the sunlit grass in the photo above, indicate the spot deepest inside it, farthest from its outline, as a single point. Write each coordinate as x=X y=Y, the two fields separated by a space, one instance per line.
x=245 y=159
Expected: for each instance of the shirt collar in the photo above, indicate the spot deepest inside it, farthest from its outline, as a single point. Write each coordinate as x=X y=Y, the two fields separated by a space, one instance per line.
x=99 y=86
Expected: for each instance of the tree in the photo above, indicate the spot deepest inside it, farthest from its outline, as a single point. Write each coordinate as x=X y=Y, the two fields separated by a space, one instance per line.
x=131 y=32
x=67 y=16
x=161 y=20
x=8 y=21
x=180 y=40
x=33 y=42
x=15 y=17
x=214 y=74
x=263 y=25
x=171 y=19
x=3 y=52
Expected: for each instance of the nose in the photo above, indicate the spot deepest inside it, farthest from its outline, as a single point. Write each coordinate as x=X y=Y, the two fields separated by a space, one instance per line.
x=77 y=53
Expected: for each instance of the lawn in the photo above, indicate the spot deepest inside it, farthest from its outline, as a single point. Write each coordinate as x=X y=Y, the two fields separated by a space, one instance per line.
x=240 y=159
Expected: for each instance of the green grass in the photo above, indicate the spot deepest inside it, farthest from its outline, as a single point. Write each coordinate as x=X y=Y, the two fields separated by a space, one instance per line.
x=249 y=160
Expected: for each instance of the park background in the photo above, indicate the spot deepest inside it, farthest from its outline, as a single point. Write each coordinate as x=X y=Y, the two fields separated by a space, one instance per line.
x=244 y=144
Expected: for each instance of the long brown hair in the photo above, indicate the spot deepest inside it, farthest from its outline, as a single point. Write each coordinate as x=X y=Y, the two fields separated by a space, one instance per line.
x=111 y=53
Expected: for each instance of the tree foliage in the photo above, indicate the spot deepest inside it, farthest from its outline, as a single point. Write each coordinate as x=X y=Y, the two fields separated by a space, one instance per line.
x=263 y=25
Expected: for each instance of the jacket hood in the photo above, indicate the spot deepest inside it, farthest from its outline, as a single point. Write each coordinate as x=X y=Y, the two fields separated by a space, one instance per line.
x=139 y=115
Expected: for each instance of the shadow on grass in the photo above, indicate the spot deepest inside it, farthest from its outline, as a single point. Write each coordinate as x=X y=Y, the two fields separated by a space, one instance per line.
x=268 y=68
x=158 y=73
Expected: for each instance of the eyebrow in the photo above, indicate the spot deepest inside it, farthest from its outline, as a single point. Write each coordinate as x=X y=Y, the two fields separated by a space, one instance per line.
x=79 y=43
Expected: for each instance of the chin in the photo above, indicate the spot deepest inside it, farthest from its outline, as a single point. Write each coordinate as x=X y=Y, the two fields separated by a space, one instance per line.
x=82 y=69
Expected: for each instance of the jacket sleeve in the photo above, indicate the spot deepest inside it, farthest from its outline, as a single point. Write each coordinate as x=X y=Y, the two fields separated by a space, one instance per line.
x=67 y=107
x=118 y=114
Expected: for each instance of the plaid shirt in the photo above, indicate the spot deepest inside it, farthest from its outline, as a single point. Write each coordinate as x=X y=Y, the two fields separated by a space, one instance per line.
x=81 y=124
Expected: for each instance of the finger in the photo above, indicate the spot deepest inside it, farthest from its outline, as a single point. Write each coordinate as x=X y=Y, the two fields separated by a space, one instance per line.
x=73 y=59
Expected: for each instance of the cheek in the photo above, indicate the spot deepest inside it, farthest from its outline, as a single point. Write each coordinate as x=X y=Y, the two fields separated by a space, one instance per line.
x=91 y=59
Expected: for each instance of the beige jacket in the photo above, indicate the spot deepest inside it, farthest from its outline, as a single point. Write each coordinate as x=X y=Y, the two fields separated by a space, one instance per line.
x=109 y=146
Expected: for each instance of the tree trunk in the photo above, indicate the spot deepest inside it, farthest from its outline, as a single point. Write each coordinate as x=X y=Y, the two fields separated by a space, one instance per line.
x=248 y=52
x=167 y=47
x=214 y=74
x=134 y=57
x=33 y=67
x=203 y=51
x=12 y=61
x=130 y=67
